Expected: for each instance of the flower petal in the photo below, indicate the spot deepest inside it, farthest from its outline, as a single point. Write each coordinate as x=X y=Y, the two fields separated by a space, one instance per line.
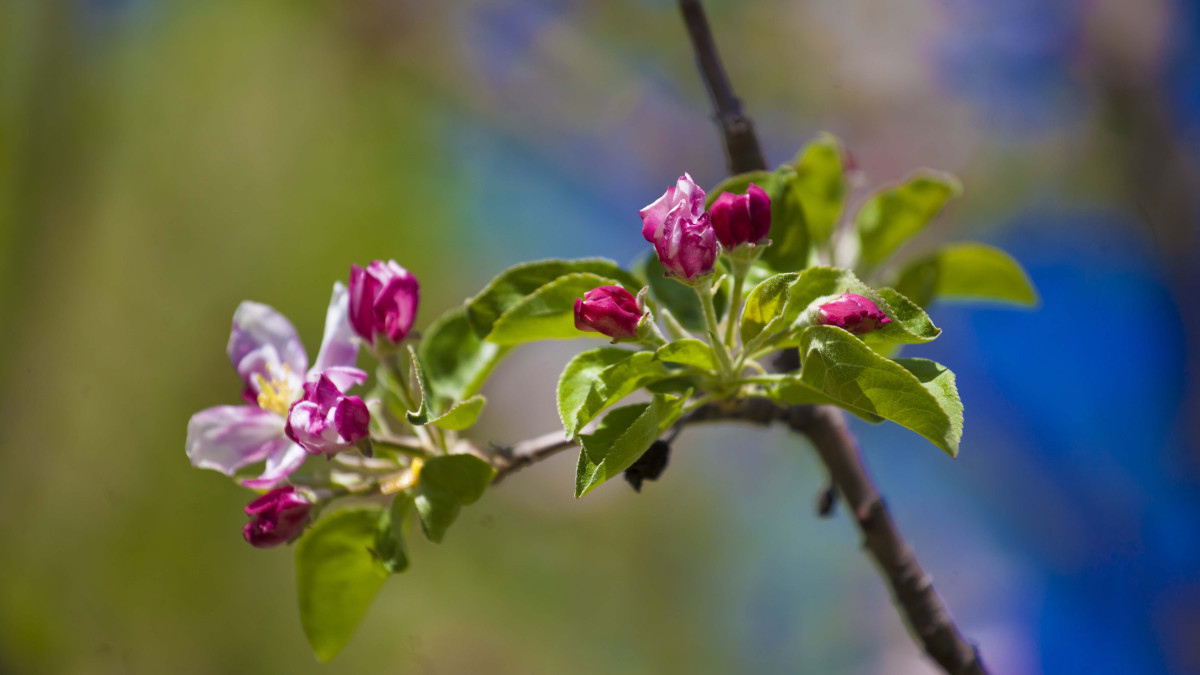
x=285 y=459
x=262 y=342
x=342 y=378
x=338 y=347
x=228 y=437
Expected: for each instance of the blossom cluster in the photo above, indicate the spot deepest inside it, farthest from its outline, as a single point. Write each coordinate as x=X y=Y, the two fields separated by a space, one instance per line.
x=293 y=411
x=687 y=239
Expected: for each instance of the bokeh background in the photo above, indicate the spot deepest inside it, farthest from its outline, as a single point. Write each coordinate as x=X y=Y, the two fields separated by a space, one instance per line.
x=162 y=160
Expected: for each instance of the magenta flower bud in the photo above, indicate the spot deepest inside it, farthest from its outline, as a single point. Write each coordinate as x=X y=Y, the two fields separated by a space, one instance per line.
x=681 y=232
x=609 y=310
x=276 y=517
x=741 y=219
x=326 y=421
x=852 y=312
x=684 y=200
x=383 y=301
x=688 y=248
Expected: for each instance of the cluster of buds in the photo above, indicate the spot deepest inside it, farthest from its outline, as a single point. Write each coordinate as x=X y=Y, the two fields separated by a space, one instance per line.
x=293 y=411
x=685 y=236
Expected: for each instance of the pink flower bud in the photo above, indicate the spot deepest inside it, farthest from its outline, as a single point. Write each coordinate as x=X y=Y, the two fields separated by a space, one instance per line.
x=276 y=518
x=741 y=219
x=688 y=248
x=383 y=301
x=852 y=312
x=610 y=310
x=684 y=200
x=681 y=232
x=326 y=421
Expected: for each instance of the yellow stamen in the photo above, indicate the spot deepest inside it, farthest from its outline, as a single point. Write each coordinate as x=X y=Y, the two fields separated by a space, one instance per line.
x=276 y=395
x=404 y=479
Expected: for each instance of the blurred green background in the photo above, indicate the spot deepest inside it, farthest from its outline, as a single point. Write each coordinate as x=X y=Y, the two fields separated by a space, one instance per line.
x=161 y=160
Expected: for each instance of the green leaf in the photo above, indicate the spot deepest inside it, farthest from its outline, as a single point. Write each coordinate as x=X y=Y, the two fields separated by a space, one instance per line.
x=778 y=303
x=940 y=382
x=892 y=216
x=688 y=352
x=513 y=284
x=622 y=436
x=548 y=312
x=389 y=539
x=677 y=298
x=461 y=415
x=597 y=378
x=456 y=360
x=910 y=324
x=435 y=409
x=842 y=367
x=446 y=484
x=765 y=304
x=791 y=245
x=428 y=408
x=967 y=271
x=337 y=576
x=820 y=187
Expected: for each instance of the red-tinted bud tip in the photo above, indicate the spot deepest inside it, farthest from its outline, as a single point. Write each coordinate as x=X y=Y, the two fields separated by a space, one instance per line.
x=276 y=518
x=609 y=310
x=741 y=219
x=852 y=312
x=383 y=301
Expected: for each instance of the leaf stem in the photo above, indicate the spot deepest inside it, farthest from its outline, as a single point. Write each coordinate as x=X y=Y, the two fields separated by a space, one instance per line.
x=704 y=290
x=392 y=361
x=735 y=303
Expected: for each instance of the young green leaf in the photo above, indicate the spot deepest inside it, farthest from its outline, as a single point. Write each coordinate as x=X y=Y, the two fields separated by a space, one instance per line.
x=337 y=576
x=548 y=312
x=790 y=388
x=967 y=271
x=892 y=216
x=820 y=186
x=428 y=408
x=456 y=361
x=764 y=305
x=621 y=437
x=598 y=378
x=776 y=304
x=389 y=539
x=688 y=352
x=791 y=245
x=461 y=415
x=447 y=483
x=514 y=283
x=842 y=367
x=910 y=324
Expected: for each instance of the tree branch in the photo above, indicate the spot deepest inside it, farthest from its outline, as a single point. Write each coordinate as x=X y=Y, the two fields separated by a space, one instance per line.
x=912 y=588
x=742 y=151
x=825 y=426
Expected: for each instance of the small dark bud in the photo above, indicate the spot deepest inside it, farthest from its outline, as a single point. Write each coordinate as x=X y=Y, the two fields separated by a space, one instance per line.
x=649 y=466
x=826 y=501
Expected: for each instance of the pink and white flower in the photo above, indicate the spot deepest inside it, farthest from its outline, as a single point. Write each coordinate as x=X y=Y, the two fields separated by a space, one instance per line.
x=271 y=361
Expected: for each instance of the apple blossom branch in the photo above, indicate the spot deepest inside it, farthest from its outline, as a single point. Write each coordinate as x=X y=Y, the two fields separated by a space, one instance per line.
x=912 y=588
x=825 y=426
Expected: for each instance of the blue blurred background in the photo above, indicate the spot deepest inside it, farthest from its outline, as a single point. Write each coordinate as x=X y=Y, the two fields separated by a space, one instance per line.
x=162 y=160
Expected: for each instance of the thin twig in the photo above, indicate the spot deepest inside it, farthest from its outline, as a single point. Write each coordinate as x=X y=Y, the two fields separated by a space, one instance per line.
x=825 y=426
x=912 y=588
x=742 y=151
